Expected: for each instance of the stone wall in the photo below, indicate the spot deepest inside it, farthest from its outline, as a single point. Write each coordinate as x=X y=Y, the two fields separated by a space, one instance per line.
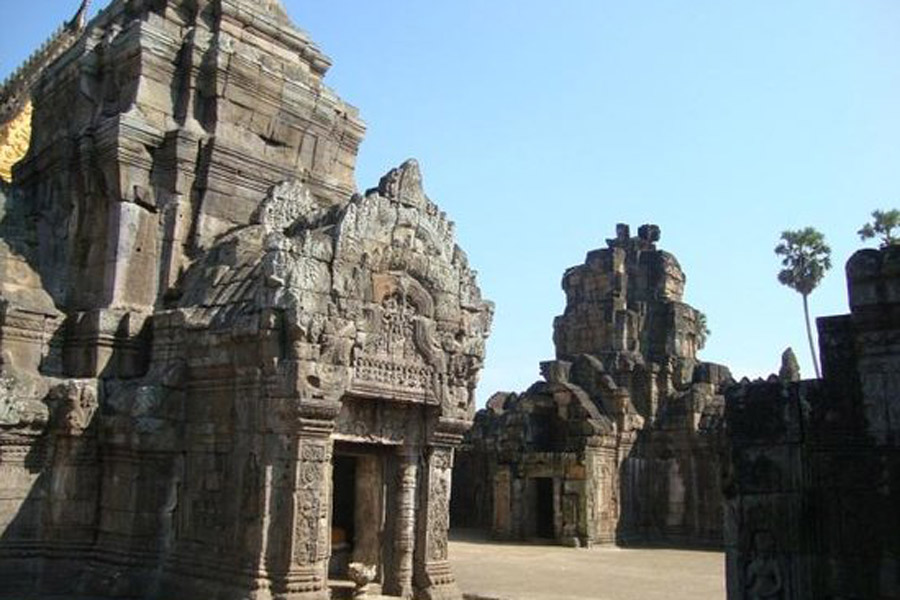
x=622 y=441
x=201 y=320
x=815 y=465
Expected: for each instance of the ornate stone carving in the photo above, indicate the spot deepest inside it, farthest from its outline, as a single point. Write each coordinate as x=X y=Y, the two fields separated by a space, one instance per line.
x=240 y=308
x=393 y=359
x=18 y=409
x=439 y=503
x=405 y=528
x=76 y=403
x=311 y=532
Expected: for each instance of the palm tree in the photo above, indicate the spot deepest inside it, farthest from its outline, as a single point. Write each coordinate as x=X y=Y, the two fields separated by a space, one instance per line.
x=883 y=224
x=806 y=258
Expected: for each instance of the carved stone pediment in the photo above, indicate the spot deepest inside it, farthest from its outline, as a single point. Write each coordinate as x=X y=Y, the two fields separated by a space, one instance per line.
x=377 y=300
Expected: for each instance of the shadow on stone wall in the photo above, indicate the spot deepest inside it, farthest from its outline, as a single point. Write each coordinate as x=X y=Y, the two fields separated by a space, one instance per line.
x=811 y=508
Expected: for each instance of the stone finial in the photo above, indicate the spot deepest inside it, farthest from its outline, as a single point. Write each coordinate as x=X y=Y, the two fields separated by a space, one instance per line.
x=790 y=368
x=649 y=233
x=623 y=235
x=79 y=20
x=403 y=184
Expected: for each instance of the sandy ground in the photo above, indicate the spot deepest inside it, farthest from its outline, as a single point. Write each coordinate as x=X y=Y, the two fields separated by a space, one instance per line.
x=518 y=571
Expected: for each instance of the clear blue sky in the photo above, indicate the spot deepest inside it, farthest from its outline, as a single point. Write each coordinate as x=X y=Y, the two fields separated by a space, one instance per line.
x=541 y=125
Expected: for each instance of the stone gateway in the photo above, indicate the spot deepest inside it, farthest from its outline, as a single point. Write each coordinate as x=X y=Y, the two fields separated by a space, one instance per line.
x=225 y=374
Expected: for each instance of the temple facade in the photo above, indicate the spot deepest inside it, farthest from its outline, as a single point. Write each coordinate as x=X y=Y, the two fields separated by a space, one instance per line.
x=225 y=372
x=622 y=441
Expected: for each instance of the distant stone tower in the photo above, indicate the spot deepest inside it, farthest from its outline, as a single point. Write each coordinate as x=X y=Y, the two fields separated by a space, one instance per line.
x=622 y=440
x=624 y=306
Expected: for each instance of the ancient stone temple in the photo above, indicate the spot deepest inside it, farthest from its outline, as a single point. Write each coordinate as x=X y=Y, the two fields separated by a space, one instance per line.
x=813 y=495
x=622 y=441
x=225 y=374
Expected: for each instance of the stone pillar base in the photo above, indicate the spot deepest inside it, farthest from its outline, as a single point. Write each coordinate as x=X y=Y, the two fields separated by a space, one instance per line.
x=439 y=584
x=448 y=591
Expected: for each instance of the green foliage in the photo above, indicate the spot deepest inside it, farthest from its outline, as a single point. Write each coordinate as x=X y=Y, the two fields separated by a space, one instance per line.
x=703 y=331
x=883 y=224
x=805 y=258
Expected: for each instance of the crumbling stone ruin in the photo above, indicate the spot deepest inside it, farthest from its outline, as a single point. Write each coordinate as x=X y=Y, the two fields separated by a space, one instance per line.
x=812 y=497
x=225 y=374
x=622 y=440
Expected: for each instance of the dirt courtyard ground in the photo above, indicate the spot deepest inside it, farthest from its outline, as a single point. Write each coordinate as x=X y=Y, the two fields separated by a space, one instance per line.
x=518 y=571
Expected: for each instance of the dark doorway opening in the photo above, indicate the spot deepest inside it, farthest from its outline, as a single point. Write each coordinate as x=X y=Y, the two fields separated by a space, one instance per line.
x=543 y=488
x=343 y=518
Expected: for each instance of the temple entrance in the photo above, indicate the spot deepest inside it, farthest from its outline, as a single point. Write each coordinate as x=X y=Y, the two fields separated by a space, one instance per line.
x=343 y=518
x=543 y=510
x=358 y=519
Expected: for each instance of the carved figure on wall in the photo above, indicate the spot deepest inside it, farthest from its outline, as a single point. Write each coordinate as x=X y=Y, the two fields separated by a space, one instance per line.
x=77 y=404
x=763 y=579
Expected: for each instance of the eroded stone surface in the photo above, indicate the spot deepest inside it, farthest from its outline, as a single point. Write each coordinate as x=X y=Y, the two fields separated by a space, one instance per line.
x=223 y=372
x=623 y=439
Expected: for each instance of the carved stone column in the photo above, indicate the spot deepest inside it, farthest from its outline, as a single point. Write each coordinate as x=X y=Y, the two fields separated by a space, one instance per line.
x=309 y=535
x=405 y=524
x=434 y=578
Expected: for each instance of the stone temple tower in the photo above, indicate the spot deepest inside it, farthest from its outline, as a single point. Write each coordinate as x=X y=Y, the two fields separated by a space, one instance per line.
x=225 y=373
x=622 y=440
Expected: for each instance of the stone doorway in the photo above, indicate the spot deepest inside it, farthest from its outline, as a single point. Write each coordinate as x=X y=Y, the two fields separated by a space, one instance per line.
x=358 y=520
x=343 y=518
x=543 y=508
